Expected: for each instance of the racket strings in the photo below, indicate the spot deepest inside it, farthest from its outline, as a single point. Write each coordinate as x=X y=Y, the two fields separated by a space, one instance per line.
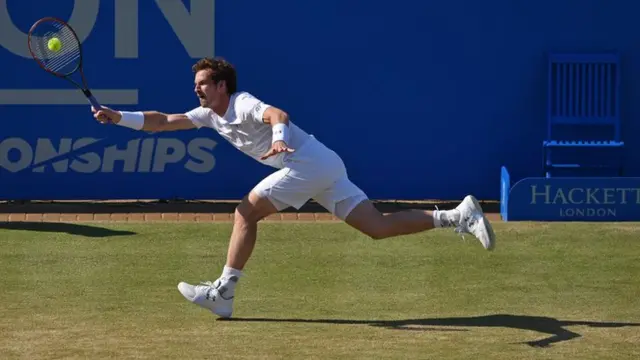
x=59 y=62
x=65 y=60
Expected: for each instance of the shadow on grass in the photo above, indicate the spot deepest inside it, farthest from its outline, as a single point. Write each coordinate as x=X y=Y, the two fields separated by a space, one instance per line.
x=59 y=227
x=546 y=325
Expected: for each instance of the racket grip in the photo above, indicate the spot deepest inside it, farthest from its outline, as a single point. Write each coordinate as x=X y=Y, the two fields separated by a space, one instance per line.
x=93 y=101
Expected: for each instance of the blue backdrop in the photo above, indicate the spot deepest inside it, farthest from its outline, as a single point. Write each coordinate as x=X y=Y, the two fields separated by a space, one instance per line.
x=422 y=98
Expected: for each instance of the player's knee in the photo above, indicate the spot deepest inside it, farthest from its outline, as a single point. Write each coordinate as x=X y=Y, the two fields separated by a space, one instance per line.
x=377 y=230
x=241 y=216
x=381 y=233
x=369 y=221
x=246 y=214
x=375 y=235
x=253 y=209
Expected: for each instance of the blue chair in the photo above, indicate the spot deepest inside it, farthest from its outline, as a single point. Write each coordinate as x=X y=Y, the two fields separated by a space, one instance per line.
x=583 y=113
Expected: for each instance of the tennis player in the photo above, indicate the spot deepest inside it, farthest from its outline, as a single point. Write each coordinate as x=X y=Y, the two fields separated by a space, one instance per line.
x=305 y=169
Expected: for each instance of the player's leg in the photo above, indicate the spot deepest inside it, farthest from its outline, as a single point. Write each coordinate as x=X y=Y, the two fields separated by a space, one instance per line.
x=249 y=212
x=366 y=218
x=350 y=204
x=284 y=188
x=218 y=295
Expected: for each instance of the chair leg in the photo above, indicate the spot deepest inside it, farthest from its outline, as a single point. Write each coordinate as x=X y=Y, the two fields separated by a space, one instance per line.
x=547 y=162
x=544 y=160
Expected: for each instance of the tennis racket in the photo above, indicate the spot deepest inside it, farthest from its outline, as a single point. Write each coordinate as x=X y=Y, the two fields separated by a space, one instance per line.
x=65 y=59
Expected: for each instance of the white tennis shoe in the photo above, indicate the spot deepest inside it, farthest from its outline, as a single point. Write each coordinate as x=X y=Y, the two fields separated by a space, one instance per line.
x=213 y=296
x=474 y=222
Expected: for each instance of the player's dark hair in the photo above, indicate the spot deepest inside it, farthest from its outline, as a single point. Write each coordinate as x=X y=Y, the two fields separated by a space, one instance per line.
x=221 y=70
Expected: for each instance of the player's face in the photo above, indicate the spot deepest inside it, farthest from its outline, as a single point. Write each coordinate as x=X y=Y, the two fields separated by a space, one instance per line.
x=209 y=93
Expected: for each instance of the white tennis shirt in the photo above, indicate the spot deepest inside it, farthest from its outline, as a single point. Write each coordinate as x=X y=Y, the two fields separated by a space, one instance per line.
x=243 y=127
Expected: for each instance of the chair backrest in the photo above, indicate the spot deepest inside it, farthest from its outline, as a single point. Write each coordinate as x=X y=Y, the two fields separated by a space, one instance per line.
x=584 y=89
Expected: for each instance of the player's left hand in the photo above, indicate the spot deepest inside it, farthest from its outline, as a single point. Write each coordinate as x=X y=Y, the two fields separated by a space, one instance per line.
x=277 y=148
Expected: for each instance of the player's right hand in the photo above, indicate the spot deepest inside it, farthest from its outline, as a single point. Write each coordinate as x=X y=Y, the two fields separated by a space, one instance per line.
x=277 y=148
x=106 y=115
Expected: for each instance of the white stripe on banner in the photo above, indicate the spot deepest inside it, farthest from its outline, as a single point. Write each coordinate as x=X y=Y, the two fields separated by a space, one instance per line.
x=66 y=97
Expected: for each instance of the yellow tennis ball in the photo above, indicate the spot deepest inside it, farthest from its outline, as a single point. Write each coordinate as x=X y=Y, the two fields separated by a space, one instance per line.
x=54 y=44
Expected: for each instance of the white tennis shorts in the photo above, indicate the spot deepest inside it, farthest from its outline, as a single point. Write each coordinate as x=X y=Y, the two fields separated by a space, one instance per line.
x=312 y=172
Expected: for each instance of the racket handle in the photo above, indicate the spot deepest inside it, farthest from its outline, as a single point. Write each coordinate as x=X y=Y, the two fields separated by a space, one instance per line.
x=93 y=101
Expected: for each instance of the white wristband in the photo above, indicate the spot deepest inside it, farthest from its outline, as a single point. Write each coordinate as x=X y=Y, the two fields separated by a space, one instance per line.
x=280 y=133
x=133 y=120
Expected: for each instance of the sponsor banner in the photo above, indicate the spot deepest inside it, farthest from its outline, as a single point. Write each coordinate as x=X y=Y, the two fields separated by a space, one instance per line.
x=419 y=122
x=571 y=199
x=51 y=148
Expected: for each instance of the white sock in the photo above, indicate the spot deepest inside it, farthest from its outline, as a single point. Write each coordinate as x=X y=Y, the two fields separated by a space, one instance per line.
x=228 y=272
x=228 y=281
x=446 y=218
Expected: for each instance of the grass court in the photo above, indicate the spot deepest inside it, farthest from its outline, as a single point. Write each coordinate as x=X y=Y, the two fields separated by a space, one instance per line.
x=321 y=291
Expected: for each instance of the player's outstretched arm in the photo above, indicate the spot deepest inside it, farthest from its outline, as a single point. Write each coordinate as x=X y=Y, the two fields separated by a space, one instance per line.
x=152 y=121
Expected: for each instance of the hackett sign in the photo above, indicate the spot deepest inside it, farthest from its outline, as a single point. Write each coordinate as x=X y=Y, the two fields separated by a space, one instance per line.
x=581 y=195
x=570 y=199
x=599 y=201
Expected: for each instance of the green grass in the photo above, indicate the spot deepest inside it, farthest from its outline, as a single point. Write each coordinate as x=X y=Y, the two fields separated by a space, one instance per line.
x=321 y=291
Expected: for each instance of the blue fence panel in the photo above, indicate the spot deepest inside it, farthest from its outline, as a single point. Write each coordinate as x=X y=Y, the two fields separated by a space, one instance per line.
x=50 y=146
x=451 y=90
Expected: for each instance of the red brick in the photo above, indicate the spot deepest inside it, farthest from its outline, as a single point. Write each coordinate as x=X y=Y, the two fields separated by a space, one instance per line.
x=306 y=217
x=222 y=217
x=153 y=217
x=289 y=216
x=170 y=217
x=273 y=217
x=51 y=217
x=85 y=217
x=119 y=217
x=102 y=217
x=135 y=217
x=324 y=217
x=187 y=217
x=17 y=217
x=94 y=213
x=204 y=217
x=34 y=217
x=68 y=217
